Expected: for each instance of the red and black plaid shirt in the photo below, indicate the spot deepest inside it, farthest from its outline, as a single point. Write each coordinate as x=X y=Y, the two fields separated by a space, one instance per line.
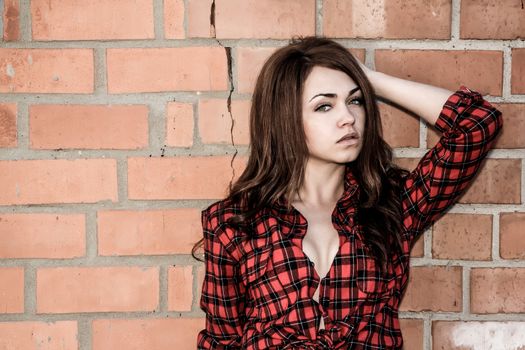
x=257 y=291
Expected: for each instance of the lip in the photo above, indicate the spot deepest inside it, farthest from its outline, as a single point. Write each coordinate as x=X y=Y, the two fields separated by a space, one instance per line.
x=352 y=136
x=348 y=141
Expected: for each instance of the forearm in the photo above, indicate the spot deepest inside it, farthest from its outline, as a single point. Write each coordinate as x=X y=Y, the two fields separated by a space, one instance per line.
x=424 y=100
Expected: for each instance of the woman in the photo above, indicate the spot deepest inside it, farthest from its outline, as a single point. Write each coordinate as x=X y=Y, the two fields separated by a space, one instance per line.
x=310 y=250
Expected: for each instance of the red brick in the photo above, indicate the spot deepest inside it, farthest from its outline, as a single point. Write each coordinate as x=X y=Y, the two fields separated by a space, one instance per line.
x=150 y=333
x=58 y=181
x=512 y=242
x=46 y=70
x=97 y=289
x=251 y=59
x=88 y=126
x=399 y=129
x=457 y=335
x=174 y=19
x=198 y=15
x=11 y=291
x=91 y=20
x=253 y=19
x=412 y=331
x=514 y=114
x=462 y=236
x=249 y=62
x=479 y=70
x=492 y=19
x=215 y=122
x=8 y=123
x=179 y=124
x=498 y=182
x=200 y=278
x=518 y=71
x=392 y=19
x=433 y=288
x=497 y=290
x=11 y=20
x=181 y=177
x=42 y=235
x=180 y=288
x=39 y=335
x=149 y=232
x=167 y=69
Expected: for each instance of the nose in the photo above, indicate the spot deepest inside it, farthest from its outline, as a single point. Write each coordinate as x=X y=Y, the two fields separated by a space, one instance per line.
x=347 y=116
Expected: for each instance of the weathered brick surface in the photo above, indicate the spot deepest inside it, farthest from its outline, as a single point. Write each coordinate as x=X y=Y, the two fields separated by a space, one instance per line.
x=458 y=335
x=48 y=181
x=393 y=19
x=447 y=69
x=512 y=242
x=11 y=17
x=251 y=18
x=88 y=126
x=518 y=71
x=11 y=290
x=42 y=235
x=166 y=69
x=433 y=288
x=148 y=232
x=97 y=289
x=497 y=290
x=91 y=20
x=46 y=335
x=8 y=125
x=462 y=237
x=146 y=333
x=492 y=19
x=46 y=71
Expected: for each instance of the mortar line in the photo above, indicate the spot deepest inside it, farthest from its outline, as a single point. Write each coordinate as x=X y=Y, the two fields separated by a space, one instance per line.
x=25 y=22
x=158 y=19
x=416 y=44
x=465 y=281
x=455 y=23
x=2 y=13
x=29 y=289
x=319 y=17
x=507 y=73
x=91 y=250
x=496 y=237
x=23 y=128
x=427 y=333
x=100 y=78
x=84 y=333
x=163 y=289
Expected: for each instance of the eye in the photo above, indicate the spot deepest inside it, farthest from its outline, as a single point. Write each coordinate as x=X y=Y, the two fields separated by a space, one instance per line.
x=322 y=108
x=358 y=99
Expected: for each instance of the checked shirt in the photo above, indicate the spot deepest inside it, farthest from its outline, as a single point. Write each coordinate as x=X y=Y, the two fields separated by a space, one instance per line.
x=257 y=290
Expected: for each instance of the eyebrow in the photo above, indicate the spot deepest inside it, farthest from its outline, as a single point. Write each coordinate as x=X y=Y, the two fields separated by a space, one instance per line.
x=335 y=95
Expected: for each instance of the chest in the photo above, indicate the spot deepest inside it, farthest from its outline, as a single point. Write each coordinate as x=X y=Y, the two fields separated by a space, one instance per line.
x=321 y=241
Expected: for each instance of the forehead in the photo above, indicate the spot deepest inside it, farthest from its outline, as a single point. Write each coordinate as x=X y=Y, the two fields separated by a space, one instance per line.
x=327 y=80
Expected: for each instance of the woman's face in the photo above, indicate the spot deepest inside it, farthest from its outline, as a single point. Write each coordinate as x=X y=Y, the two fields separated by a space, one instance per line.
x=332 y=108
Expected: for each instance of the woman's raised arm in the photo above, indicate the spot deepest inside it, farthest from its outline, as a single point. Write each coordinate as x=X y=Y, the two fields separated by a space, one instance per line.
x=422 y=99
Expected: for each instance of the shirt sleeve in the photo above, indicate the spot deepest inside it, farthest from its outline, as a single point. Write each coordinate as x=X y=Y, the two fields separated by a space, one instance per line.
x=222 y=296
x=469 y=126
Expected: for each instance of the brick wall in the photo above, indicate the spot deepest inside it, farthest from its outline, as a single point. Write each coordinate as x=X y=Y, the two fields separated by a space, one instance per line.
x=113 y=115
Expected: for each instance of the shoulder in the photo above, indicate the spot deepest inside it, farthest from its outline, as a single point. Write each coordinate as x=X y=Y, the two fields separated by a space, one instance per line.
x=216 y=227
x=217 y=213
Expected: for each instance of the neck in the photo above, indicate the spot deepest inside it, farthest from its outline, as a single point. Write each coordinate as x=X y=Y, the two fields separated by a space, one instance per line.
x=323 y=184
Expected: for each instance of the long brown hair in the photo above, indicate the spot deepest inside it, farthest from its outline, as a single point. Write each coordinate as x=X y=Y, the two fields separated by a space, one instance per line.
x=278 y=149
